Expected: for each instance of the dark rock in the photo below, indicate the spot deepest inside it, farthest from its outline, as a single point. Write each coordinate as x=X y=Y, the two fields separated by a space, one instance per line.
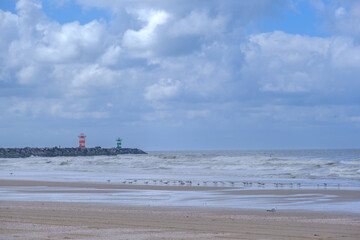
x=71 y=152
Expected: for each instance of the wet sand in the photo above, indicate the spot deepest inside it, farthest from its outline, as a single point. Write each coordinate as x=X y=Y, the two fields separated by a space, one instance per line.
x=73 y=220
x=170 y=195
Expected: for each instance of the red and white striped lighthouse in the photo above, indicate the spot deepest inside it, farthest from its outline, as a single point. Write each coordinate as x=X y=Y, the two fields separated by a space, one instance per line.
x=82 y=140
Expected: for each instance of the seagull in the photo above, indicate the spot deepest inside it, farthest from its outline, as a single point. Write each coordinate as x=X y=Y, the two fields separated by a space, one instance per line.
x=273 y=210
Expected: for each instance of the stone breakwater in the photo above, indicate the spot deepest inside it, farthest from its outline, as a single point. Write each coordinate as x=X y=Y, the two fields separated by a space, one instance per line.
x=67 y=152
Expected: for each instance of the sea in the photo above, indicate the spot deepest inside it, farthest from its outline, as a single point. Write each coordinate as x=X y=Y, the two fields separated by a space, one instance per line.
x=335 y=169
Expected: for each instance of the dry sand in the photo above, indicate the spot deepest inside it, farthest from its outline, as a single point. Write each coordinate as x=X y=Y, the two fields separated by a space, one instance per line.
x=61 y=220
x=45 y=220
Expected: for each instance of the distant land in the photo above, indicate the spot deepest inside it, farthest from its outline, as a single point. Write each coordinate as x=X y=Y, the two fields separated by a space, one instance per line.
x=65 y=152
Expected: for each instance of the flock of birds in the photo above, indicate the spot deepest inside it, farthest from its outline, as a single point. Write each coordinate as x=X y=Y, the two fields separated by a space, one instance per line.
x=241 y=184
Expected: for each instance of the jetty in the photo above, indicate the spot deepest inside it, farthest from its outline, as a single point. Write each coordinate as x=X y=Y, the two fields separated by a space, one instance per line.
x=65 y=152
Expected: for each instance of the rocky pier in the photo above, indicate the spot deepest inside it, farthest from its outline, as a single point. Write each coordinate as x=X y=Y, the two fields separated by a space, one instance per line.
x=65 y=152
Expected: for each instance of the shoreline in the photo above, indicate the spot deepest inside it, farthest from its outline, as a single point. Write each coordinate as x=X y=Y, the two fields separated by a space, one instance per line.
x=313 y=200
x=49 y=220
x=120 y=186
x=33 y=210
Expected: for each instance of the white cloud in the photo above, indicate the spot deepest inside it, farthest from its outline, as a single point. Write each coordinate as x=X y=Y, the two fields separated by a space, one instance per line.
x=198 y=23
x=72 y=113
x=8 y=25
x=51 y=107
x=283 y=62
x=340 y=12
x=293 y=83
x=28 y=75
x=84 y=80
x=292 y=48
x=61 y=58
x=111 y=56
x=69 y=41
x=164 y=89
x=93 y=75
x=146 y=36
x=29 y=8
x=345 y=53
x=342 y=18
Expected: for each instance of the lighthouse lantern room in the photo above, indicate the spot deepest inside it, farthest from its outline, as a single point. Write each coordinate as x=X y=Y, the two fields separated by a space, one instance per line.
x=82 y=140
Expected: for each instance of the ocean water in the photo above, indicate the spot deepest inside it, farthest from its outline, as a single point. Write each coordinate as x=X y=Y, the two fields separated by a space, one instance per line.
x=336 y=168
x=248 y=170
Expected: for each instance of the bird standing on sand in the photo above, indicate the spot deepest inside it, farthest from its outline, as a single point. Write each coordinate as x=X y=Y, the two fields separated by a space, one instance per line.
x=273 y=210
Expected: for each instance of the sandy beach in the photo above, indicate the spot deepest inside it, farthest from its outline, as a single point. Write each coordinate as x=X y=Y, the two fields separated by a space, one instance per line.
x=47 y=220
x=73 y=220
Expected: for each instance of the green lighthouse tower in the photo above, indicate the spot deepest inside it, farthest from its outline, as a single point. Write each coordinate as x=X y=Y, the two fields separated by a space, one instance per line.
x=118 y=143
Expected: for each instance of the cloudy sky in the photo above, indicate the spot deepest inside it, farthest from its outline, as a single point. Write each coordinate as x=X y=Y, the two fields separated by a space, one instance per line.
x=180 y=74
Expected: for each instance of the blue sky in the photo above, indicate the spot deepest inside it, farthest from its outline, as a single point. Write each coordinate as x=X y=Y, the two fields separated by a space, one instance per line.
x=180 y=75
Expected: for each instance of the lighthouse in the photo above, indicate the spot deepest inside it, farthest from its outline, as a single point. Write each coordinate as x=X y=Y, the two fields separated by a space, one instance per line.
x=82 y=140
x=118 y=143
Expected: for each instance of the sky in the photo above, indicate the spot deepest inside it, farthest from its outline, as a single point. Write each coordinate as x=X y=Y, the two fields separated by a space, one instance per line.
x=180 y=74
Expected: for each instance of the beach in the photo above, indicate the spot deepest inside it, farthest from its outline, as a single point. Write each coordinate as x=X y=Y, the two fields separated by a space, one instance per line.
x=307 y=194
x=43 y=219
